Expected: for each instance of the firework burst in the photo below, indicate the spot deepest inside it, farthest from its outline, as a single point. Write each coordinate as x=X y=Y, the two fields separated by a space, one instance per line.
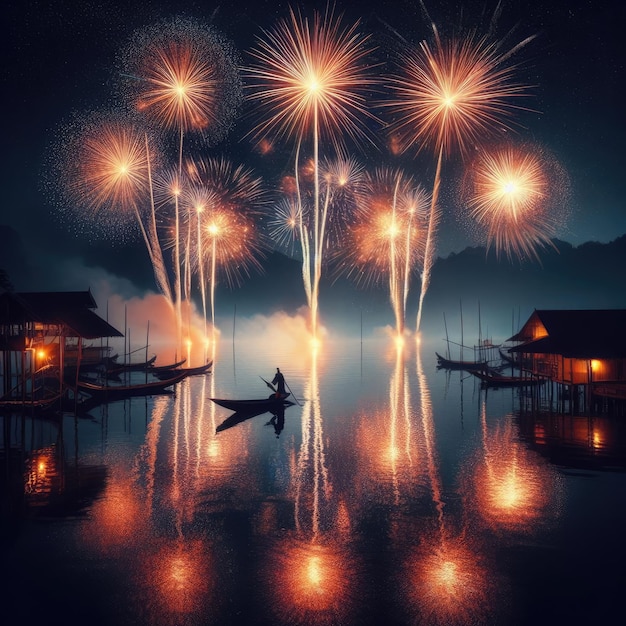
x=450 y=96
x=386 y=240
x=184 y=76
x=225 y=202
x=311 y=79
x=312 y=76
x=510 y=193
x=105 y=175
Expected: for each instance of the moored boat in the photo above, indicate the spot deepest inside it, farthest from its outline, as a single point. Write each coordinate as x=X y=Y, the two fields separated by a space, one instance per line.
x=491 y=378
x=187 y=371
x=450 y=364
x=125 y=391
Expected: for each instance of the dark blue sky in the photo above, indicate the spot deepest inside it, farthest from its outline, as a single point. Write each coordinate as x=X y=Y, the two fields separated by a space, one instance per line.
x=59 y=58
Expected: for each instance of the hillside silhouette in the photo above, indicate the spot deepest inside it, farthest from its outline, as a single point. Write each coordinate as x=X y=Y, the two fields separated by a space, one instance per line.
x=590 y=275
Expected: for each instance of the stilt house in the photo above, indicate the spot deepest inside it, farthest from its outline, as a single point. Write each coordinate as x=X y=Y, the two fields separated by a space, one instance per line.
x=576 y=348
x=47 y=329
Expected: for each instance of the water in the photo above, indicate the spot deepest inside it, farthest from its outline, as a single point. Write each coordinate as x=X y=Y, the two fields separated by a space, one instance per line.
x=395 y=494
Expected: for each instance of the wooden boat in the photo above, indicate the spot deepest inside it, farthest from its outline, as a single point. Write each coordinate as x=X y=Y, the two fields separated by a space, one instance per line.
x=251 y=406
x=120 y=368
x=242 y=415
x=34 y=405
x=187 y=371
x=491 y=378
x=450 y=364
x=167 y=368
x=112 y=392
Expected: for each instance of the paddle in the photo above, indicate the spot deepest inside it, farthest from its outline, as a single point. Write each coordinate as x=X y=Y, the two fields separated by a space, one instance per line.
x=268 y=384
x=292 y=394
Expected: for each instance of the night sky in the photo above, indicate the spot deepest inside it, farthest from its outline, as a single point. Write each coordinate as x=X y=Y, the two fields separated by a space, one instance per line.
x=59 y=58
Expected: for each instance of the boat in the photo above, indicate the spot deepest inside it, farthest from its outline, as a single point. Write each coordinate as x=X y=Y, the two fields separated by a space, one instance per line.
x=251 y=406
x=167 y=368
x=111 y=392
x=242 y=415
x=120 y=368
x=450 y=364
x=187 y=371
x=491 y=378
x=31 y=405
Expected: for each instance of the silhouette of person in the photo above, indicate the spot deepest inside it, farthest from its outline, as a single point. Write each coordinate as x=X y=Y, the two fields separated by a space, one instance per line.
x=279 y=381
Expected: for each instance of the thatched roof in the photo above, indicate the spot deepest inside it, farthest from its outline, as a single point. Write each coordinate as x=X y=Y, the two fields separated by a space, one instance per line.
x=71 y=309
x=582 y=334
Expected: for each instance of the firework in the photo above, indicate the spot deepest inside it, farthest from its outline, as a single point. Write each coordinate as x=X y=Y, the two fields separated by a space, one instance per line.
x=105 y=174
x=448 y=97
x=510 y=194
x=224 y=202
x=386 y=239
x=310 y=77
x=184 y=77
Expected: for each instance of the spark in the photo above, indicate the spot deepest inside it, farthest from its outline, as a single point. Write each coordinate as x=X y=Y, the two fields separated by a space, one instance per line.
x=450 y=96
x=386 y=239
x=309 y=75
x=509 y=195
x=312 y=80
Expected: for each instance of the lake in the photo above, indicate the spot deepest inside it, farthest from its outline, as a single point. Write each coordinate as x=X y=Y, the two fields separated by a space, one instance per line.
x=394 y=493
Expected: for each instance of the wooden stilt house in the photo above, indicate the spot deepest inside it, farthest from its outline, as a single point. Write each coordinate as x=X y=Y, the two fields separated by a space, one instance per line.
x=46 y=331
x=581 y=351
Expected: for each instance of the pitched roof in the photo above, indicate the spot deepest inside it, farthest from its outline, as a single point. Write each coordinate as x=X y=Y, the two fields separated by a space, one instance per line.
x=581 y=333
x=69 y=308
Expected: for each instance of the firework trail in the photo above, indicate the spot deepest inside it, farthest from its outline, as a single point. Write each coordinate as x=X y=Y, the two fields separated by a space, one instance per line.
x=106 y=180
x=184 y=76
x=511 y=194
x=311 y=77
x=226 y=202
x=386 y=238
x=450 y=96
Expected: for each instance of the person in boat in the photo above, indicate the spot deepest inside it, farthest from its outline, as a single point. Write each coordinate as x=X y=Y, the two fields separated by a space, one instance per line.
x=279 y=381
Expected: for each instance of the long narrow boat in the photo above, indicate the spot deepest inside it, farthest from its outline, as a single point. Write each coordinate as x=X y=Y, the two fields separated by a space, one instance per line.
x=243 y=415
x=450 y=364
x=251 y=406
x=489 y=378
x=126 y=391
x=35 y=405
x=120 y=368
x=167 y=368
x=188 y=371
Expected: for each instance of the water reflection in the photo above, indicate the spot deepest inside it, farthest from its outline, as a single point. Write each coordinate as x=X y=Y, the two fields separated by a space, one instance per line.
x=512 y=487
x=448 y=581
x=309 y=570
x=376 y=504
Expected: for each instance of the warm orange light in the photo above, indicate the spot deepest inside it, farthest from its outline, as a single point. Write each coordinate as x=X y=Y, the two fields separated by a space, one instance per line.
x=449 y=582
x=595 y=365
